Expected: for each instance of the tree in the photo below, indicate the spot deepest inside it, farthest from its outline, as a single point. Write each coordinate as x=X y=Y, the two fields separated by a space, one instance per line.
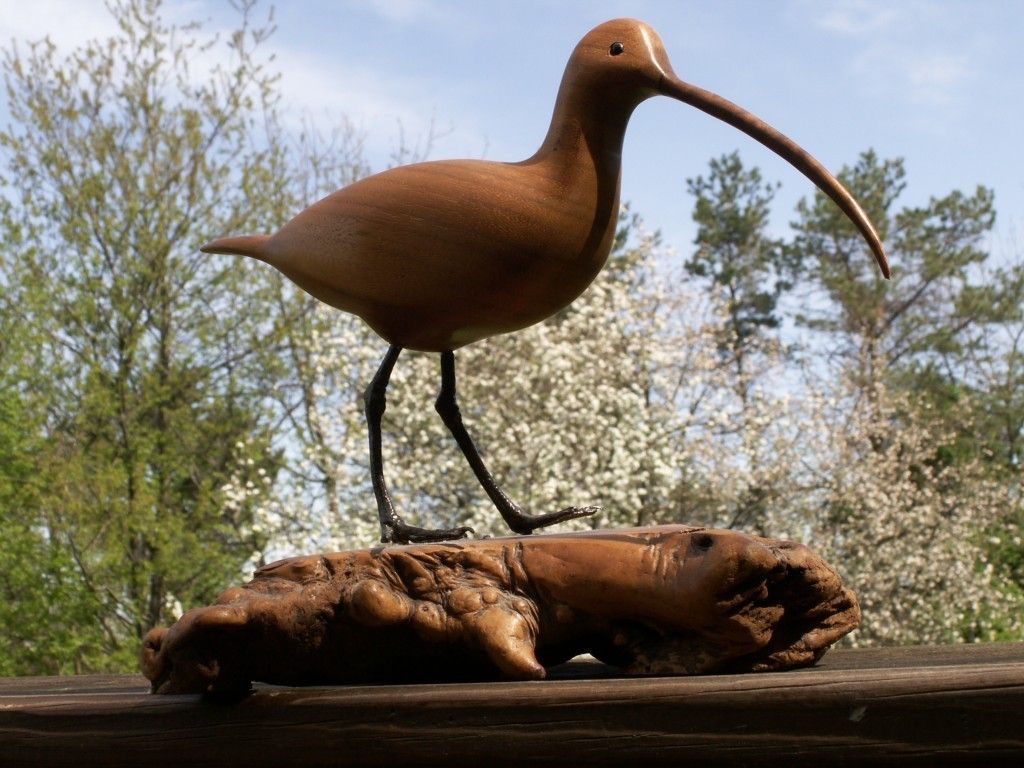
x=731 y=208
x=991 y=373
x=906 y=327
x=750 y=272
x=909 y=534
x=941 y=339
x=119 y=161
x=990 y=368
x=39 y=596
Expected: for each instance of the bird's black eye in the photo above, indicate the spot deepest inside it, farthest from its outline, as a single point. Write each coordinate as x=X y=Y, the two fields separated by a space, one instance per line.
x=616 y=48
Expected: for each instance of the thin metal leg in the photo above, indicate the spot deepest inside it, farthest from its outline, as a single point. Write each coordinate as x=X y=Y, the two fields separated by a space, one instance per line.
x=519 y=521
x=392 y=529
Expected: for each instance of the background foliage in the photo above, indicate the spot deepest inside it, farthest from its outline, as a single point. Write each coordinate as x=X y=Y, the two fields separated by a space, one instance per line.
x=169 y=419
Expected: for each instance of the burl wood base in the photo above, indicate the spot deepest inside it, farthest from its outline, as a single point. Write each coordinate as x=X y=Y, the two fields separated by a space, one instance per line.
x=663 y=600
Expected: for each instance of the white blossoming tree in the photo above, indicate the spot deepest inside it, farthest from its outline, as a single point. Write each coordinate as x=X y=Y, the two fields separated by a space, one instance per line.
x=906 y=528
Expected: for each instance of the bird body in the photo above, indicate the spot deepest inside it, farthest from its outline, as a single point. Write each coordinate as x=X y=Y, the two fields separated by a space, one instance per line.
x=434 y=256
x=431 y=263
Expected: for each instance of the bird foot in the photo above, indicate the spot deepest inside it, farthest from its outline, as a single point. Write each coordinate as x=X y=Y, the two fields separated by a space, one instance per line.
x=520 y=522
x=400 y=533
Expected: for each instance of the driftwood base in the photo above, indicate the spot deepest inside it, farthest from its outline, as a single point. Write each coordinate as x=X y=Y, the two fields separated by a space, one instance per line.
x=663 y=600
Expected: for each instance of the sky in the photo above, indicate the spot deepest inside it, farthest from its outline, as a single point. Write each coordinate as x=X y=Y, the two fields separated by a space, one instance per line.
x=940 y=84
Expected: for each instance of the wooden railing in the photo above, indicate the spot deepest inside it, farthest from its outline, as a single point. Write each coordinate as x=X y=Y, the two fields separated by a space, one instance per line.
x=924 y=705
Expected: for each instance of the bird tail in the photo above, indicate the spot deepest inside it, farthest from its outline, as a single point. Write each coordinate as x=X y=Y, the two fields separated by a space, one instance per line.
x=245 y=245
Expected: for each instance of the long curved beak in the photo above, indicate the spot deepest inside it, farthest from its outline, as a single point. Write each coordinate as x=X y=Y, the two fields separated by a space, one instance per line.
x=756 y=128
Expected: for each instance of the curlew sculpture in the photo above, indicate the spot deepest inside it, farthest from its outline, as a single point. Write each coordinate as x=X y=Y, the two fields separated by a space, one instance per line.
x=436 y=255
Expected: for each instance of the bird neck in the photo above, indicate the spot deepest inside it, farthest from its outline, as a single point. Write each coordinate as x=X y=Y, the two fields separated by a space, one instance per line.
x=587 y=128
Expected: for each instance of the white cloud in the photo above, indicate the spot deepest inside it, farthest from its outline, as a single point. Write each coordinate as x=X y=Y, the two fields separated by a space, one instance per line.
x=857 y=17
x=905 y=51
x=935 y=78
x=315 y=88
x=71 y=23
x=66 y=22
x=381 y=106
x=316 y=84
x=923 y=77
x=403 y=11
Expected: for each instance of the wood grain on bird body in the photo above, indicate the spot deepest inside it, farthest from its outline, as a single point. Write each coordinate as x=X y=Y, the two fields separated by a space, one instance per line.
x=396 y=256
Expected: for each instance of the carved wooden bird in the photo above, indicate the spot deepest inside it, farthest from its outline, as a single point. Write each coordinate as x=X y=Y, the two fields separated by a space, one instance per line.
x=436 y=255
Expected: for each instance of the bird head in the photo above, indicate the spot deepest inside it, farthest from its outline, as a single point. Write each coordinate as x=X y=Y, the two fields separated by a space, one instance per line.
x=624 y=60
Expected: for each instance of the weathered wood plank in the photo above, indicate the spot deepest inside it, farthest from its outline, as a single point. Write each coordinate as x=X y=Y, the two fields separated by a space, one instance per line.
x=954 y=704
